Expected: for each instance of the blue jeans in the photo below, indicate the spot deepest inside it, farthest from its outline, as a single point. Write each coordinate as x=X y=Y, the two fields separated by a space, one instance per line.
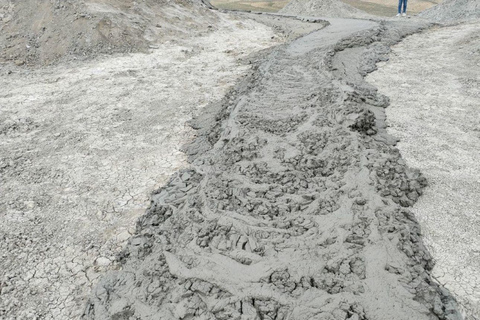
x=400 y=4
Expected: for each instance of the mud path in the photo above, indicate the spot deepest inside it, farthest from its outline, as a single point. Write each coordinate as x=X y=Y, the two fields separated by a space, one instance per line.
x=433 y=82
x=295 y=205
x=81 y=148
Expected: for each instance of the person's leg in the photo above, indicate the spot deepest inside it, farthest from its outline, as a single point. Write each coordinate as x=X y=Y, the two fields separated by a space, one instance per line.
x=400 y=2
x=405 y=6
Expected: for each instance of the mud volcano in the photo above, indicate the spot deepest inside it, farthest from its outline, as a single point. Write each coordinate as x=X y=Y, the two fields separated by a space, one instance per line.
x=295 y=206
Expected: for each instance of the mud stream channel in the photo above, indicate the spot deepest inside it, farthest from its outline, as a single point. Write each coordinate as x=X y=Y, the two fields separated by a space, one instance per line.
x=291 y=200
x=295 y=205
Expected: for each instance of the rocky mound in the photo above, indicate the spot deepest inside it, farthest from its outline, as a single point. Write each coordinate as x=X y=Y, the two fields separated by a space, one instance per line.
x=33 y=31
x=323 y=8
x=454 y=10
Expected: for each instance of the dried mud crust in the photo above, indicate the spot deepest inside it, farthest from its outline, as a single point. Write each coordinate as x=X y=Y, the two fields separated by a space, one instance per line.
x=290 y=28
x=82 y=145
x=423 y=114
x=295 y=207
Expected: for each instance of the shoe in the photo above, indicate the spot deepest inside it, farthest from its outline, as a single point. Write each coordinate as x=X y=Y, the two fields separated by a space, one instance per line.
x=398 y=14
x=404 y=14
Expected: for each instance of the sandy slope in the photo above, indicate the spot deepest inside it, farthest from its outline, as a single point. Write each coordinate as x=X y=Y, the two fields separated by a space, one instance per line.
x=389 y=8
x=454 y=11
x=82 y=145
x=434 y=85
x=323 y=8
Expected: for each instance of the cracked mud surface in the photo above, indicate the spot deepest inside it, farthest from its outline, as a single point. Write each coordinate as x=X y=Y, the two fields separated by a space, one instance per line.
x=433 y=82
x=295 y=205
x=82 y=146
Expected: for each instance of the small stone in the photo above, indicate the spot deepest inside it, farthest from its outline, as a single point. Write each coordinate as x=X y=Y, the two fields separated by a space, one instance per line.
x=102 y=261
x=354 y=317
x=19 y=63
x=222 y=245
x=405 y=202
x=361 y=201
x=412 y=196
x=186 y=176
x=123 y=236
x=437 y=306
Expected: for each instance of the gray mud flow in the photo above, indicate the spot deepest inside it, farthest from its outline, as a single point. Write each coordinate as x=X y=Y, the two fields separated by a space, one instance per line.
x=296 y=203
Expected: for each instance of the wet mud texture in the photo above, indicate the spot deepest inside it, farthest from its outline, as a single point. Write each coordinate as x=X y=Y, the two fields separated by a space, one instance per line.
x=82 y=146
x=296 y=205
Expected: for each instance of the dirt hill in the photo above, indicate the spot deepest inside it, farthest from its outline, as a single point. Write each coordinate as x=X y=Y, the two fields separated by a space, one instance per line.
x=454 y=10
x=33 y=31
x=323 y=8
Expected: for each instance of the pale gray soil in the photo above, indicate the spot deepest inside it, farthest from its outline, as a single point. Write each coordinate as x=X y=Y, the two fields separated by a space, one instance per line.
x=323 y=8
x=290 y=28
x=81 y=148
x=453 y=11
x=295 y=205
x=291 y=202
x=433 y=81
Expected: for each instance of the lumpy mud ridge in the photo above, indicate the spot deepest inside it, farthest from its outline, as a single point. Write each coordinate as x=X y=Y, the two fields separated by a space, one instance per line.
x=280 y=191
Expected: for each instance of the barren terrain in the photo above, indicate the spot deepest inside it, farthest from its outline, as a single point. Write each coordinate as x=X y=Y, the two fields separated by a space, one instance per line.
x=295 y=205
x=162 y=160
x=454 y=11
x=263 y=6
x=43 y=32
x=389 y=8
x=385 y=8
x=82 y=146
x=433 y=80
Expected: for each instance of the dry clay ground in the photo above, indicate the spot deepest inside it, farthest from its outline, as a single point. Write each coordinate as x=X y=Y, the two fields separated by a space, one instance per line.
x=386 y=8
x=81 y=148
x=433 y=81
x=389 y=8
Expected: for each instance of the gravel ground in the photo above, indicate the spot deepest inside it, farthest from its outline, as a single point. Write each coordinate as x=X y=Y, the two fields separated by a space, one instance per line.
x=433 y=82
x=81 y=148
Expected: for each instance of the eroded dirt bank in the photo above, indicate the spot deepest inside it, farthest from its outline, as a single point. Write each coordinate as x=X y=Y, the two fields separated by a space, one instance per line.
x=295 y=205
x=434 y=85
x=81 y=148
x=44 y=32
